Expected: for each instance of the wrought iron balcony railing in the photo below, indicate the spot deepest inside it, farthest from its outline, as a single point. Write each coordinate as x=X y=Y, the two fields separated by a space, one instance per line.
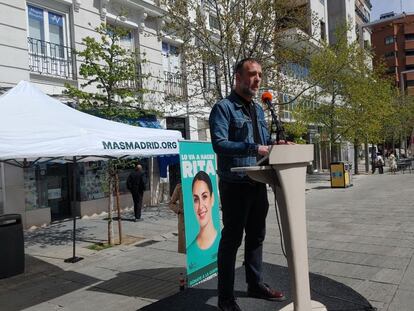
x=136 y=82
x=174 y=84
x=50 y=59
x=359 y=12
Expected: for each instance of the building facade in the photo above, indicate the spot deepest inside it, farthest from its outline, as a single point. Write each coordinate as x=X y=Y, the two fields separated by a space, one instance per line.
x=393 y=45
x=37 y=40
x=354 y=14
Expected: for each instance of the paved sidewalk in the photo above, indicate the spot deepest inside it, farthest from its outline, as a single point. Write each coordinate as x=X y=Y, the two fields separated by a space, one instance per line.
x=362 y=236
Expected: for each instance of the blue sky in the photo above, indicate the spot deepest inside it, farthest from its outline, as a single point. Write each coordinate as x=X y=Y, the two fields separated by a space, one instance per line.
x=383 y=6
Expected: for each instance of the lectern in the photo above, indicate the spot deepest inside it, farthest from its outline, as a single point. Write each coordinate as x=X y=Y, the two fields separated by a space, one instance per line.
x=286 y=174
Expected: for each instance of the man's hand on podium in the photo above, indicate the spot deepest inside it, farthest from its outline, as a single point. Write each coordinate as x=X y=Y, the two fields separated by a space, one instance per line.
x=263 y=150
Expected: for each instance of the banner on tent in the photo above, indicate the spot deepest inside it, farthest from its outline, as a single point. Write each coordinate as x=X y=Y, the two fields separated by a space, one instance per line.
x=201 y=212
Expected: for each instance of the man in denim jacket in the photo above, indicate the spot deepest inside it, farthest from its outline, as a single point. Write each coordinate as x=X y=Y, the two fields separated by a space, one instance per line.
x=240 y=137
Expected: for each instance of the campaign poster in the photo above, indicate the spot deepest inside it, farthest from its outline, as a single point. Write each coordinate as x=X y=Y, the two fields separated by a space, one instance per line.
x=201 y=211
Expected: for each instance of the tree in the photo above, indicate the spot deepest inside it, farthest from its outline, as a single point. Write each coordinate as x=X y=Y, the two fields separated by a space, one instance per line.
x=401 y=122
x=353 y=99
x=216 y=34
x=112 y=89
x=113 y=82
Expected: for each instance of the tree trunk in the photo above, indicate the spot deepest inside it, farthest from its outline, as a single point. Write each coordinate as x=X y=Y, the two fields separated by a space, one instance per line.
x=110 y=208
x=356 y=151
x=366 y=156
x=118 y=208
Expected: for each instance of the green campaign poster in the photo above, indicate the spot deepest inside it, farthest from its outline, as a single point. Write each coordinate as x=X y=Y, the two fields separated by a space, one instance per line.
x=201 y=211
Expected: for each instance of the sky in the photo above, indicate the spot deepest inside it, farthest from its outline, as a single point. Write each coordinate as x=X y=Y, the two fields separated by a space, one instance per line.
x=384 y=6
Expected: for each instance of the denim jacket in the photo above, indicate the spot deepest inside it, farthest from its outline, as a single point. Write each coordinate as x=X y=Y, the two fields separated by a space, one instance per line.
x=232 y=137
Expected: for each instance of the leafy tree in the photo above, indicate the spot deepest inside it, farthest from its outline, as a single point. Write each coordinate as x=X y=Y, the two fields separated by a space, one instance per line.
x=113 y=82
x=112 y=90
x=354 y=99
x=216 y=34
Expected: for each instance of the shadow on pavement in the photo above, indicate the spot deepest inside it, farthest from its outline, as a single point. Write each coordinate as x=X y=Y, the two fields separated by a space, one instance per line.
x=58 y=234
x=334 y=295
x=41 y=282
x=146 y=283
x=321 y=187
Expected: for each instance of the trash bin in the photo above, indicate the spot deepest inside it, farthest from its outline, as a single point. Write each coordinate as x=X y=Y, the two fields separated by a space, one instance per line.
x=11 y=245
x=341 y=176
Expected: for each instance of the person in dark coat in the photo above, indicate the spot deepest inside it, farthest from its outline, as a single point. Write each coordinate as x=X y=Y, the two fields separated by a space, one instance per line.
x=136 y=184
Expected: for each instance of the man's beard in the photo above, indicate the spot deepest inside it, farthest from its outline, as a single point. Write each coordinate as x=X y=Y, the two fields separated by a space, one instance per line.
x=247 y=91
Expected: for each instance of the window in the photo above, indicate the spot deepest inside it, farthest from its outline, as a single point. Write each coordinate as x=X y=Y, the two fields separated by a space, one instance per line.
x=389 y=40
x=296 y=71
x=389 y=54
x=209 y=76
x=171 y=57
x=213 y=22
x=47 y=26
x=390 y=70
x=47 y=40
x=287 y=108
x=171 y=60
x=409 y=67
x=323 y=30
x=409 y=53
x=409 y=36
x=410 y=83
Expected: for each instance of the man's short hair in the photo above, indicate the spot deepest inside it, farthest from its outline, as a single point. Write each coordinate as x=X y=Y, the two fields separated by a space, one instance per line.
x=238 y=68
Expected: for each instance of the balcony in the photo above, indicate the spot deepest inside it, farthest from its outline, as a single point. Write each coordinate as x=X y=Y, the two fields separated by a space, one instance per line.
x=50 y=59
x=134 y=84
x=174 y=84
x=368 y=3
x=361 y=14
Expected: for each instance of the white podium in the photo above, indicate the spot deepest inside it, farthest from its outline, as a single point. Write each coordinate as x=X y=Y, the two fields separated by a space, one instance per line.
x=286 y=174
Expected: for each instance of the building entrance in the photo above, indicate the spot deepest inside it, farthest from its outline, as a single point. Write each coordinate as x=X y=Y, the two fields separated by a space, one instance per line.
x=58 y=199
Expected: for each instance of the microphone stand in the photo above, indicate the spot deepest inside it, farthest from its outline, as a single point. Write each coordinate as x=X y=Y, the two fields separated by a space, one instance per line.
x=276 y=126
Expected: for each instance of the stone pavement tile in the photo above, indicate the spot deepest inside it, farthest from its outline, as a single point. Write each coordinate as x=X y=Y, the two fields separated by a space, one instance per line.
x=362 y=248
x=362 y=259
x=274 y=259
x=402 y=301
x=342 y=269
x=391 y=276
x=38 y=291
x=407 y=283
x=375 y=291
x=99 y=273
x=166 y=245
x=380 y=306
x=91 y=300
x=133 y=285
x=348 y=281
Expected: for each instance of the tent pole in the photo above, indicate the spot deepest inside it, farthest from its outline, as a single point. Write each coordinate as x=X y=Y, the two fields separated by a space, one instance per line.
x=3 y=188
x=74 y=259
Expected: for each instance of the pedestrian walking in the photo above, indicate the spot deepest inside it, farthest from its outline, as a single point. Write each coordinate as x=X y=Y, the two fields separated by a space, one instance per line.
x=136 y=185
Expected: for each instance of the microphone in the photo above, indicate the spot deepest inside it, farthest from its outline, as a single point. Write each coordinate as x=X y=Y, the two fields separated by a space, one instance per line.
x=267 y=97
x=277 y=126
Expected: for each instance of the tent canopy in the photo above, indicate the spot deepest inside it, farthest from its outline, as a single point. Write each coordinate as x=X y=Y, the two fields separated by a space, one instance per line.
x=34 y=125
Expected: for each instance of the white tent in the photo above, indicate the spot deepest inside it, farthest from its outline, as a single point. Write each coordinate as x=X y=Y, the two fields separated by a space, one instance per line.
x=34 y=125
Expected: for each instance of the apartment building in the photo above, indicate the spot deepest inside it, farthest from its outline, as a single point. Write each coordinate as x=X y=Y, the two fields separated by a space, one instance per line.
x=355 y=13
x=393 y=45
x=37 y=39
